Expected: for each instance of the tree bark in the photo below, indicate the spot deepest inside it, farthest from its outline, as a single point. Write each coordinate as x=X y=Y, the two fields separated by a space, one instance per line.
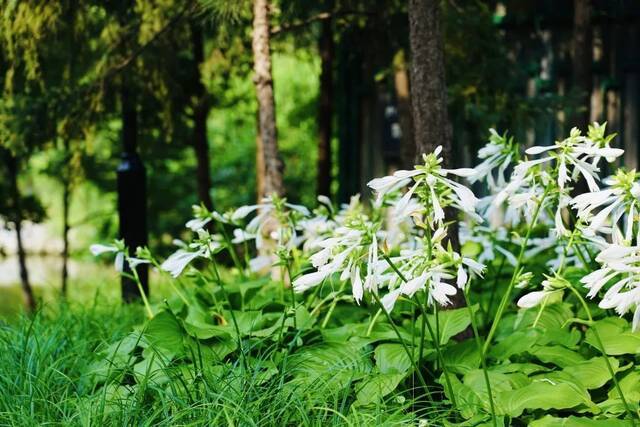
x=403 y=100
x=66 y=195
x=27 y=290
x=263 y=80
x=132 y=193
x=429 y=90
x=259 y=163
x=325 y=110
x=581 y=64
x=431 y=124
x=200 y=114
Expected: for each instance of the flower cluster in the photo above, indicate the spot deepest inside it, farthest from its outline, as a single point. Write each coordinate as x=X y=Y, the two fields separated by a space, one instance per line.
x=403 y=245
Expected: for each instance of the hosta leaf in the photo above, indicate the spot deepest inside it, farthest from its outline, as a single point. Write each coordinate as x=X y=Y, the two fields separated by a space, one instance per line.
x=516 y=343
x=593 y=373
x=450 y=323
x=499 y=382
x=304 y=320
x=553 y=317
x=165 y=333
x=374 y=388
x=565 y=337
x=542 y=394
x=200 y=325
x=556 y=354
x=469 y=403
x=525 y=368
x=462 y=357
x=616 y=337
x=549 y=421
x=151 y=369
x=327 y=360
x=391 y=358
x=630 y=386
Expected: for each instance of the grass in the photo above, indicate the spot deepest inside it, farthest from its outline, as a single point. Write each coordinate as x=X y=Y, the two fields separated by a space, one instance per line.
x=48 y=363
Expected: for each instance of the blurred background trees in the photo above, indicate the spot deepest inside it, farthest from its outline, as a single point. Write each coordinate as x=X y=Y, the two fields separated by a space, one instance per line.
x=227 y=100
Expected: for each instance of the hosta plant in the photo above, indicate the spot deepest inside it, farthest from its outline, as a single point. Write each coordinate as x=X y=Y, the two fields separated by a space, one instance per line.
x=532 y=316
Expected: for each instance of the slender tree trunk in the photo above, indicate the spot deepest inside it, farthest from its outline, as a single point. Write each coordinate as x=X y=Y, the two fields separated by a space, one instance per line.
x=27 y=291
x=582 y=60
x=263 y=80
x=401 y=86
x=431 y=124
x=132 y=192
x=325 y=111
x=429 y=90
x=200 y=114
x=260 y=173
x=66 y=196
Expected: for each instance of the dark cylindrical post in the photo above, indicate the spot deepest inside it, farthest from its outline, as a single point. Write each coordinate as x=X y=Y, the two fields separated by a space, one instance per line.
x=132 y=195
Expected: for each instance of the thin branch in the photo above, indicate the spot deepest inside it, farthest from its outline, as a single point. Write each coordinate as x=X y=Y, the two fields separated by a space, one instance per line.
x=319 y=17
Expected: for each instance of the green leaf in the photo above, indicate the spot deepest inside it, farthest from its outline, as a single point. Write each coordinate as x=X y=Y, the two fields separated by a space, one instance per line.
x=304 y=320
x=165 y=334
x=151 y=369
x=462 y=357
x=391 y=358
x=374 y=388
x=450 y=323
x=593 y=373
x=557 y=355
x=469 y=403
x=326 y=360
x=516 y=343
x=550 y=421
x=200 y=325
x=616 y=337
x=542 y=394
x=630 y=386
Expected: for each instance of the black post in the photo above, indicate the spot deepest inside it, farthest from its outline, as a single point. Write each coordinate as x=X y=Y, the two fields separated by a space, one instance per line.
x=132 y=195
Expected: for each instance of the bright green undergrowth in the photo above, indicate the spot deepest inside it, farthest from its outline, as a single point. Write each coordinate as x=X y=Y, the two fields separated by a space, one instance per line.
x=85 y=366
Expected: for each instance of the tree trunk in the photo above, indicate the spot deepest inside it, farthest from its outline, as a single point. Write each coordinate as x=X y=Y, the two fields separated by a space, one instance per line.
x=200 y=114
x=132 y=193
x=401 y=86
x=266 y=104
x=27 y=291
x=429 y=90
x=431 y=124
x=66 y=195
x=581 y=63
x=325 y=111
x=259 y=163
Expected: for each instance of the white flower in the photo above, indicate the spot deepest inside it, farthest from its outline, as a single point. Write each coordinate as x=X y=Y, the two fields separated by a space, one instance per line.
x=441 y=190
x=616 y=208
x=118 y=248
x=497 y=156
x=577 y=155
x=389 y=300
x=532 y=299
x=310 y=280
x=179 y=260
x=550 y=287
x=620 y=275
x=99 y=249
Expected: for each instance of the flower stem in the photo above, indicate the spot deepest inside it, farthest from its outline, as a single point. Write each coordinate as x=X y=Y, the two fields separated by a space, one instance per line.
x=516 y=271
x=404 y=346
x=603 y=351
x=231 y=313
x=143 y=295
x=483 y=361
